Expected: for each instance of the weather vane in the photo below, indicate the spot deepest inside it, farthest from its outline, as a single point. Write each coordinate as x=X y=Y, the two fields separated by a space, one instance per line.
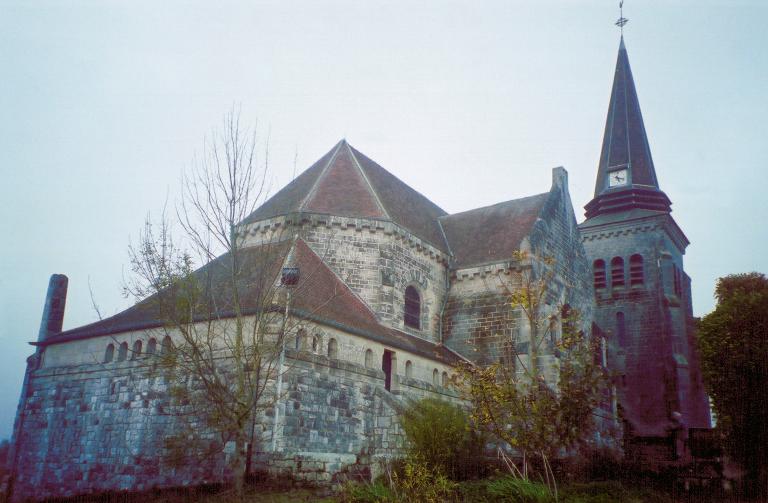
x=622 y=20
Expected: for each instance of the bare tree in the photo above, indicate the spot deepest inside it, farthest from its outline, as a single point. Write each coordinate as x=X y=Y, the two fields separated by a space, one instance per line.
x=224 y=325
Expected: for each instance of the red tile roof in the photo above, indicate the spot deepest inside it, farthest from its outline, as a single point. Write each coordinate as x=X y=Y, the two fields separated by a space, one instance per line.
x=321 y=296
x=346 y=183
x=343 y=190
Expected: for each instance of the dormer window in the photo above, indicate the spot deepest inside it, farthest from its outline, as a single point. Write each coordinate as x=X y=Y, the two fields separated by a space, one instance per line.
x=412 y=316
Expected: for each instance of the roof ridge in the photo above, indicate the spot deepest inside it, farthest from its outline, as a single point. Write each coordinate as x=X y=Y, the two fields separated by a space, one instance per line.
x=492 y=205
x=445 y=237
x=367 y=181
x=311 y=191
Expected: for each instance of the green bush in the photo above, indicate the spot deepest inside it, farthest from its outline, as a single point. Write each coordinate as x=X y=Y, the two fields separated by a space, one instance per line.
x=517 y=490
x=420 y=482
x=610 y=492
x=378 y=492
x=440 y=435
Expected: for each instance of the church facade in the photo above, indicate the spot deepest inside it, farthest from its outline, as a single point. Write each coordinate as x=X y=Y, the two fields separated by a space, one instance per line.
x=399 y=292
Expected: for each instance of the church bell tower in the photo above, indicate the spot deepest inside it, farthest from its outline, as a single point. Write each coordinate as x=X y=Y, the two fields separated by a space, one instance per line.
x=642 y=293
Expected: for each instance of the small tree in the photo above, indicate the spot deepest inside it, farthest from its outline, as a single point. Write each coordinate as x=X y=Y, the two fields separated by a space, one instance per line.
x=511 y=398
x=225 y=325
x=440 y=434
x=733 y=341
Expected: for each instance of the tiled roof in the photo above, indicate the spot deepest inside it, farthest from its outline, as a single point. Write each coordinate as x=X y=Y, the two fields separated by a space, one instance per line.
x=321 y=296
x=291 y=197
x=344 y=182
x=343 y=190
x=259 y=266
x=492 y=233
x=404 y=205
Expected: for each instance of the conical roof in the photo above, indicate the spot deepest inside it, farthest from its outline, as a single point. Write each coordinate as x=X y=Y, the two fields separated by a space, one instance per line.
x=346 y=183
x=625 y=148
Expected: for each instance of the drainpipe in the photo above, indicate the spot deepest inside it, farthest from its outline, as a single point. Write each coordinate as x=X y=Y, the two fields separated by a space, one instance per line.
x=447 y=285
x=281 y=362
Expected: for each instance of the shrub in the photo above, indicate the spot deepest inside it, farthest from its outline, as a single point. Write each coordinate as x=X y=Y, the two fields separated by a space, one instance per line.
x=517 y=490
x=420 y=482
x=378 y=492
x=440 y=435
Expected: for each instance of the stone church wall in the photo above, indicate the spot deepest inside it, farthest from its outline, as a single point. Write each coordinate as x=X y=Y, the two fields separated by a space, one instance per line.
x=479 y=322
x=90 y=426
x=377 y=260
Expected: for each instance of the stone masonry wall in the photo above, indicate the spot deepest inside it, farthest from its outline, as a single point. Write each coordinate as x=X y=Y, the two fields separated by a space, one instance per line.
x=91 y=427
x=478 y=321
x=653 y=355
x=376 y=259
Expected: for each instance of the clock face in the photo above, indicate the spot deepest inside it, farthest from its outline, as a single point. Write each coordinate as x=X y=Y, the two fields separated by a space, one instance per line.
x=617 y=178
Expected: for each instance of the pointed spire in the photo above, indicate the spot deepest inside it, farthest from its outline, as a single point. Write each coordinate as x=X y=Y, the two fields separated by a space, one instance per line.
x=625 y=143
x=626 y=166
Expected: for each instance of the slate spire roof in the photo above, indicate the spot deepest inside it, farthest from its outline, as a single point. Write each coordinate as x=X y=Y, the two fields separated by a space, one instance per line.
x=346 y=183
x=625 y=146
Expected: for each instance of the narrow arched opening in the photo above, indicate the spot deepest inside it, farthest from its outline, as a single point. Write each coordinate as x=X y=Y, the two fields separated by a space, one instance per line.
x=598 y=273
x=412 y=315
x=636 y=273
x=136 y=352
x=617 y=272
x=109 y=354
x=368 y=358
x=122 y=353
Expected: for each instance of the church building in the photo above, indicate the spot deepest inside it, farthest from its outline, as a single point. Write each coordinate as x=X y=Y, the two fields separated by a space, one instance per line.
x=393 y=293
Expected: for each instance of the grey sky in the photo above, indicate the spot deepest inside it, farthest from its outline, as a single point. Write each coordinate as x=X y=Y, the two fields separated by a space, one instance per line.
x=102 y=104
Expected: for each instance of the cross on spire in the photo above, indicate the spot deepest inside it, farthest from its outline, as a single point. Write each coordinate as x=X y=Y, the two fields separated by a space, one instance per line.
x=622 y=20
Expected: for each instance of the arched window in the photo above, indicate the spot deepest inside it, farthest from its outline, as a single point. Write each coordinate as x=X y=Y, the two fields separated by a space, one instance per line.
x=412 y=315
x=167 y=345
x=636 y=276
x=436 y=378
x=678 y=280
x=136 y=353
x=109 y=353
x=445 y=379
x=122 y=353
x=598 y=271
x=315 y=343
x=151 y=346
x=333 y=349
x=621 y=330
x=617 y=272
x=368 y=359
x=408 y=370
x=301 y=336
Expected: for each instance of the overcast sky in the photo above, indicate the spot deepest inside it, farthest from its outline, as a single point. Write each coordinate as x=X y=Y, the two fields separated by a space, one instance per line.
x=103 y=104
